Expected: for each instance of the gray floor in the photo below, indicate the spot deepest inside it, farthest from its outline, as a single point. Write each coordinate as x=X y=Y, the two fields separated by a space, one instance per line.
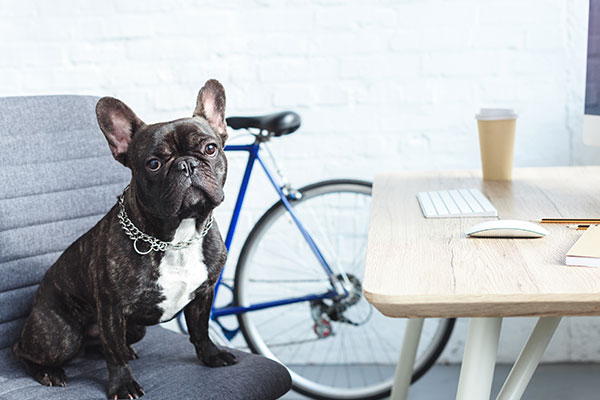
x=551 y=381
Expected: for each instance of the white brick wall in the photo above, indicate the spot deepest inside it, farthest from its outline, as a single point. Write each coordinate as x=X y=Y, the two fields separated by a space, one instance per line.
x=381 y=85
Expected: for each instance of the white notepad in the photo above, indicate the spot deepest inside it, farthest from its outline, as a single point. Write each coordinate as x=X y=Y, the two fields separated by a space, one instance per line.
x=455 y=204
x=586 y=250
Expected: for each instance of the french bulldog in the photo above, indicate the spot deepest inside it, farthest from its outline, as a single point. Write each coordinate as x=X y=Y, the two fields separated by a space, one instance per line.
x=156 y=252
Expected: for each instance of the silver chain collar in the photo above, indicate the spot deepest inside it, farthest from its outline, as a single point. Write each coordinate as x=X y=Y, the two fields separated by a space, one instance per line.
x=155 y=244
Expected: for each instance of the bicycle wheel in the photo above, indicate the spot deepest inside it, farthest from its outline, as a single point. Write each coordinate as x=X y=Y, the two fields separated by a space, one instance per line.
x=334 y=349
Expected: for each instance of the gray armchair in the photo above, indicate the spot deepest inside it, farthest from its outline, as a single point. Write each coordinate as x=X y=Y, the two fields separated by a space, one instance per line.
x=57 y=179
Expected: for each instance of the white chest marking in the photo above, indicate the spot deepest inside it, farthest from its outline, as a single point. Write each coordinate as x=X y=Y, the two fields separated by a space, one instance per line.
x=181 y=271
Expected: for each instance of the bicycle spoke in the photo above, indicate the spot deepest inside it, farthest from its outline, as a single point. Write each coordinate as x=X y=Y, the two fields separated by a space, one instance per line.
x=321 y=239
x=279 y=264
x=345 y=363
x=269 y=312
x=285 y=330
x=286 y=257
x=370 y=344
x=297 y=342
x=298 y=349
x=359 y=257
x=381 y=338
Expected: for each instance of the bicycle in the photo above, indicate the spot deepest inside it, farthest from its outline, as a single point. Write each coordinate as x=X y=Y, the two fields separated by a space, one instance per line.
x=299 y=274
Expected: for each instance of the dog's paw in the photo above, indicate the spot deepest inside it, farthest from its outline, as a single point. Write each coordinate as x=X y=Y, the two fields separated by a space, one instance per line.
x=51 y=376
x=213 y=357
x=221 y=359
x=126 y=390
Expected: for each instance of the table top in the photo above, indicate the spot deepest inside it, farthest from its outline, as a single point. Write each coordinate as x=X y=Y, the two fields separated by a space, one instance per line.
x=418 y=267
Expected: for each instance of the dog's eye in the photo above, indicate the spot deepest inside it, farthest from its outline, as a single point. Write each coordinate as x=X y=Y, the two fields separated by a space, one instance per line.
x=153 y=164
x=210 y=149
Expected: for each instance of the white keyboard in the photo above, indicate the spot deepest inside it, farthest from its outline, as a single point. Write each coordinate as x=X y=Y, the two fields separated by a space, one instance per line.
x=455 y=204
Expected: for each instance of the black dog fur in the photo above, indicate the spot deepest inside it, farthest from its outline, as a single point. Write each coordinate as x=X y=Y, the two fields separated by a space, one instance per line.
x=100 y=287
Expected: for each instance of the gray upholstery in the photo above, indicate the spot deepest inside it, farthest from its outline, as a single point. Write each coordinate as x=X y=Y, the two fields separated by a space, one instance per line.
x=164 y=371
x=57 y=179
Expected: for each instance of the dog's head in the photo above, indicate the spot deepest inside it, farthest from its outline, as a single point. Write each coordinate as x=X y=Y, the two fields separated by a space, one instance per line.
x=178 y=167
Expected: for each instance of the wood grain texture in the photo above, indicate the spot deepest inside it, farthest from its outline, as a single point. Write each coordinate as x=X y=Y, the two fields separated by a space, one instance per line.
x=418 y=267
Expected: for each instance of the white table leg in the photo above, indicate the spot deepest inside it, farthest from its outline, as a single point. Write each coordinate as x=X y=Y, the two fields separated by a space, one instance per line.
x=404 y=369
x=528 y=360
x=479 y=360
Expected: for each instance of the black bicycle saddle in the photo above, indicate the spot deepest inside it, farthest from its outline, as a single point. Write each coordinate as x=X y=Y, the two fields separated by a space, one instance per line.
x=278 y=124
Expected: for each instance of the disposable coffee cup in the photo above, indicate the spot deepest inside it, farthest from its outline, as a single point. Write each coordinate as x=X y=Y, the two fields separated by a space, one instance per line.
x=496 y=142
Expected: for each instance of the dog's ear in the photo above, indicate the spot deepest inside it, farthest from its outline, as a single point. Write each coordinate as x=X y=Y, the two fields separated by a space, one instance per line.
x=210 y=105
x=118 y=123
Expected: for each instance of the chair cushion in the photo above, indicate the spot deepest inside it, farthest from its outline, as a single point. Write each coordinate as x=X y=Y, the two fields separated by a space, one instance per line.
x=167 y=368
x=58 y=179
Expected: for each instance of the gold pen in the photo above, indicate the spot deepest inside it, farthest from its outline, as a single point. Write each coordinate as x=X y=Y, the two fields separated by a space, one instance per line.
x=578 y=227
x=587 y=221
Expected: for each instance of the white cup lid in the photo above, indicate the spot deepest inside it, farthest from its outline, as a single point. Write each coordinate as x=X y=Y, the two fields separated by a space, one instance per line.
x=490 y=114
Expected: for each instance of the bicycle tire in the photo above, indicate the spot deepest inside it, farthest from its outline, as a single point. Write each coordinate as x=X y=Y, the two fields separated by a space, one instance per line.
x=257 y=345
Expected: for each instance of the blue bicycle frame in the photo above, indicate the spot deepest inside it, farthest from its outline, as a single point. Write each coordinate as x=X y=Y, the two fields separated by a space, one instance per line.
x=336 y=290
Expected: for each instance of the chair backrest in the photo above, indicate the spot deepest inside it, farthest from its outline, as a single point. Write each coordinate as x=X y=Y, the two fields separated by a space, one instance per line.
x=57 y=179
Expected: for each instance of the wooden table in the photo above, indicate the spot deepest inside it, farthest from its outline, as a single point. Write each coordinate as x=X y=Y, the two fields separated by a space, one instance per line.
x=427 y=268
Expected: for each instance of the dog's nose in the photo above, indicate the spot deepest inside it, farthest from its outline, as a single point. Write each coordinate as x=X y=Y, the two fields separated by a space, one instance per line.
x=187 y=165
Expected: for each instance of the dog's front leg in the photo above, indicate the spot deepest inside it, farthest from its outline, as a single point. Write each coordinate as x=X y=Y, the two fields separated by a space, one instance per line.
x=197 y=314
x=112 y=325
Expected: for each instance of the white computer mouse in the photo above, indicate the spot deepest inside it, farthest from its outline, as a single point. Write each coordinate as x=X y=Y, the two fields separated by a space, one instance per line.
x=507 y=228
